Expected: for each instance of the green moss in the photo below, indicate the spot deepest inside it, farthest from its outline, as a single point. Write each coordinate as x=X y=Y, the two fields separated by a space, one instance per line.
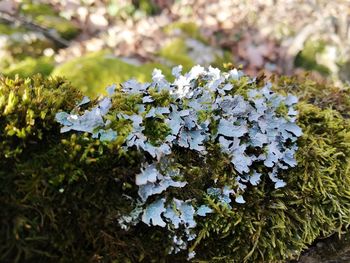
x=221 y=61
x=30 y=66
x=176 y=53
x=147 y=6
x=156 y=131
x=282 y=110
x=320 y=94
x=27 y=108
x=278 y=221
x=93 y=72
x=189 y=29
x=161 y=99
x=30 y=8
x=62 y=194
x=9 y=30
x=307 y=57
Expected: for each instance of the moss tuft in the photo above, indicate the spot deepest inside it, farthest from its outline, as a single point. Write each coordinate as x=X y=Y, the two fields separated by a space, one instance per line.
x=27 y=109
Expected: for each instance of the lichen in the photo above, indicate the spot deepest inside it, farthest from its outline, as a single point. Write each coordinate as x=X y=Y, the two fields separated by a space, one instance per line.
x=269 y=147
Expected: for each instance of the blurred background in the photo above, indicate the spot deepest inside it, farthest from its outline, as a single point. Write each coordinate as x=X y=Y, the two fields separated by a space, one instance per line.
x=96 y=43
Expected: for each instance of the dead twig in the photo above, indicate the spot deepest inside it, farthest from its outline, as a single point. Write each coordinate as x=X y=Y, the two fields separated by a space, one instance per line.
x=30 y=25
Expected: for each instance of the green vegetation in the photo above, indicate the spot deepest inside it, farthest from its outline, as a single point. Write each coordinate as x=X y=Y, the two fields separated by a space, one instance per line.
x=61 y=194
x=189 y=29
x=188 y=47
x=23 y=49
x=93 y=72
x=176 y=53
x=320 y=94
x=307 y=57
x=30 y=66
x=8 y=29
x=181 y=52
x=315 y=202
x=36 y=9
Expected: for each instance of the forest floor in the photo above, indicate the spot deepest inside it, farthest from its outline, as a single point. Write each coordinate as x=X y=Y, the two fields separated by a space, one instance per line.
x=277 y=36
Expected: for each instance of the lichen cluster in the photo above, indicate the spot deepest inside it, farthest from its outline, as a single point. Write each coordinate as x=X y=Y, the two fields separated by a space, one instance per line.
x=255 y=128
x=102 y=191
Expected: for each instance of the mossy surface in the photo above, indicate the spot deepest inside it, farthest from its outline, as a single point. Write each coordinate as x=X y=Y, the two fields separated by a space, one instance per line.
x=176 y=52
x=307 y=57
x=27 y=109
x=186 y=52
x=61 y=194
x=189 y=29
x=93 y=72
x=188 y=46
x=315 y=202
x=36 y=9
x=320 y=94
x=8 y=29
x=30 y=66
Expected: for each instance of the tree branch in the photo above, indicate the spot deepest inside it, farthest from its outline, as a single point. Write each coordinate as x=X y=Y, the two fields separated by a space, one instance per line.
x=30 y=25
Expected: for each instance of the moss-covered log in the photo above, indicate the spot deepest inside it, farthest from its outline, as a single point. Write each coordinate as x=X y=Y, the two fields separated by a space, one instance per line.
x=62 y=194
